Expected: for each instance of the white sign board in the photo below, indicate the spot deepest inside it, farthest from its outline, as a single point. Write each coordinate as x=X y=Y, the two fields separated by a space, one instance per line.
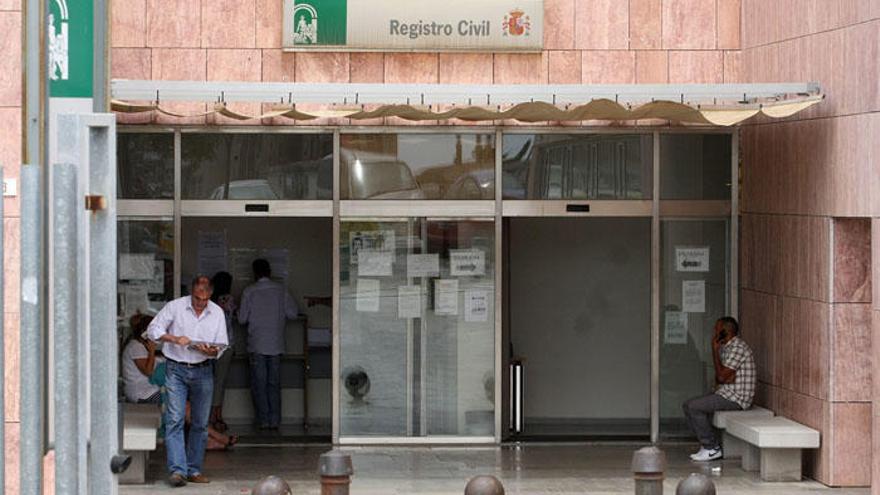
x=409 y=301
x=406 y=25
x=693 y=296
x=692 y=259
x=676 y=331
x=467 y=262
x=476 y=305
x=446 y=296
x=422 y=265
x=368 y=295
x=375 y=262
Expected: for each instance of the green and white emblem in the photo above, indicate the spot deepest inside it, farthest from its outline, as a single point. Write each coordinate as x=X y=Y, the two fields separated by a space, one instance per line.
x=315 y=22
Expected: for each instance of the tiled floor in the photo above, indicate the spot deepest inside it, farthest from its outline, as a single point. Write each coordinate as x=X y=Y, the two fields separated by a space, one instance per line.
x=531 y=468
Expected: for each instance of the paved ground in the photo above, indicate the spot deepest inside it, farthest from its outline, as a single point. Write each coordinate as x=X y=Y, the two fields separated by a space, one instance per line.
x=531 y=468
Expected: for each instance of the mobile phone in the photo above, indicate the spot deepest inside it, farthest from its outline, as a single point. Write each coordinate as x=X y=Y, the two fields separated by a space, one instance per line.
x=722 y=335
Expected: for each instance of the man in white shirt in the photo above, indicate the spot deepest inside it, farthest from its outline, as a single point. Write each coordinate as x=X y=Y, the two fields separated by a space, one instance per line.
x=265 y=307
x=193 y=330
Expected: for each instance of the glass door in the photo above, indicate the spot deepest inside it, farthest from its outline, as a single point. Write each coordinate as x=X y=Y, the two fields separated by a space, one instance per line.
x=417 y=330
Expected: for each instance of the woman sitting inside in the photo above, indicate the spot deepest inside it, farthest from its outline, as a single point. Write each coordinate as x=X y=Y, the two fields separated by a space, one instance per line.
x=139 y=361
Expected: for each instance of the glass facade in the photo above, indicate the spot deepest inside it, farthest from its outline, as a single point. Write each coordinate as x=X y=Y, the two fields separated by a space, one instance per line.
x=420 y=355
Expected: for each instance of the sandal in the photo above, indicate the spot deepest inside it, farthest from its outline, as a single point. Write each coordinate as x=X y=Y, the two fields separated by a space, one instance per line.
x=233 y=439
x=220 y=426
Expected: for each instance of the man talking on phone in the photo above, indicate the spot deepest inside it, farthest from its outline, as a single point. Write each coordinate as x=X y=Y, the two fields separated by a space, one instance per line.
x=193 y=330
x=735 y=378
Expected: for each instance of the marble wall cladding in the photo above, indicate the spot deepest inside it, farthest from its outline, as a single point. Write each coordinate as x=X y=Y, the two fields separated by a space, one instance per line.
x=645 y=24
x=322 y=67
x=278 y=66
x=696 y=66
x=601 y=25
x=851 y=445
x=412 y=68
x=852 y=260
x=802 y=348
x=169 y=64
x=875 y=263
x=367 y=67
x=564 y=67
x=465 y=68
x=812 y=412
x=729 y=24
x=10 y=152
x=689 y=24
x=268 y=15
x=130 y=63
x=875 y=351
x=771 y=22
x=128 y=21
x=760 y=319
x=10 y=5
x=652 y=66
x=10 y=63
x=608 y=67
x=11 y=264
x=559 y=17
x=11 y=366
x=733 y=66
x=517 y=68
x=174 y=23
x=851 y=356
x=229 y=24
x=12 y=440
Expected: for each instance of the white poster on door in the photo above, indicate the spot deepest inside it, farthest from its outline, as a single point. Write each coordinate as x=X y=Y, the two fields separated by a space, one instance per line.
x=211 y=253
x=476 y=305
x=409 y=301
x=368 y=295
x=693 y=296
x=446 y=297
x=422 y=265
x=135 y=266
x=369 y=239
x=692 y=259
x=676 y=331
x=467 y=262
x=375 y=262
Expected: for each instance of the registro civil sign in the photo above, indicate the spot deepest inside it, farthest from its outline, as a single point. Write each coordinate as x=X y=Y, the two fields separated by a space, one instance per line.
x=408 y=25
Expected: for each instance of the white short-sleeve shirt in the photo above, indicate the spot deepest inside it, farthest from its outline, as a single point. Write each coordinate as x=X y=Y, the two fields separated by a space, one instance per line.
x=137 y=385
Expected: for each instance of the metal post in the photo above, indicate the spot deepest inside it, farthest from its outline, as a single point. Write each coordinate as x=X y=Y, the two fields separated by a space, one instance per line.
x=484 y=485
x=32 y=390
x=335 y=469
x=271 y=485
x=695 y=484
x=100 y=81
x=66 y=325
x=648 y=467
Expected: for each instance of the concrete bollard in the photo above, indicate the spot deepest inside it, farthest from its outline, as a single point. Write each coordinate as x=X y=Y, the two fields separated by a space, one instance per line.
x=695 y=484
x=271 y=485
x=648 y=467
x=484 y=485
x=335 y=469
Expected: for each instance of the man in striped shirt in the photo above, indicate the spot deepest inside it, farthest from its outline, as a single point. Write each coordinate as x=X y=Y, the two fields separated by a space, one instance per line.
x=735 y=378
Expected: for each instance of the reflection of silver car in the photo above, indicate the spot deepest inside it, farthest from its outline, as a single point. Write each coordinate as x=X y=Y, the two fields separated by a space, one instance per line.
x=366 y=175
x=246 y=189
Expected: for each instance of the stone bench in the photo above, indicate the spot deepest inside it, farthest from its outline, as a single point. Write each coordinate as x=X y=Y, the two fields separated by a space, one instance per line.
x=140 y=426
x=733 y=447
x=774 y=446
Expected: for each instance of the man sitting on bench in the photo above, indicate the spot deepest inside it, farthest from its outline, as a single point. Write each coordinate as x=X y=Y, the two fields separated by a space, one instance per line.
x=734 y=387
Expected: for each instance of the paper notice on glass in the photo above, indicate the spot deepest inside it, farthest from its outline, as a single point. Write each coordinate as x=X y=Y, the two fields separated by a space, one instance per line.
x=135 y=299
x=446 y=297
x=156 y=285
x=368 y=295
x=676 y=331
x=422 y=265
x=465 y=262
x=409 y=301
x=135 y=266
x=371 y=239
x=211 y=253
x=375 y=262
x=242 y=260
x=693 y=296
x=476 y=305
x=692 y=259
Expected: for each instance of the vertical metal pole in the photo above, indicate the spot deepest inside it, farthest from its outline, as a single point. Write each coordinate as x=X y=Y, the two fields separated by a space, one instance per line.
x=499 y=281
x=100 y=81
x=31 y=332
x=65 y=323
x=733 y=266
x=103 y=428
x=178 y=242
x=33 y=291
x=655 y=295
x=337 y=340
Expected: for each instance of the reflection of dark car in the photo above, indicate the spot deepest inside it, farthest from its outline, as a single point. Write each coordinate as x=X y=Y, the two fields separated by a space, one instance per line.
x=246 y=189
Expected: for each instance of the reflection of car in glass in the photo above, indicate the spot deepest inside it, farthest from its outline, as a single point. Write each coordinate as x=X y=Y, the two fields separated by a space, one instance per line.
x=246 y=189
x=366 y=175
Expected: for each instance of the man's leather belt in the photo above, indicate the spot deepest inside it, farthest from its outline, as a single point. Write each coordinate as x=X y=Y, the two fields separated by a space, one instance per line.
x=206 y=362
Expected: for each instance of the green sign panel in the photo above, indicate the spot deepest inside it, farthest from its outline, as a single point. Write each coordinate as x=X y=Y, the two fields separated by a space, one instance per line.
x=70 y=49
x=319 y=22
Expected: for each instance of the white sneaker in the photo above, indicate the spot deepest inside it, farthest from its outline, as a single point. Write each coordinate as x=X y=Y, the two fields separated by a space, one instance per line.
x=707 y=455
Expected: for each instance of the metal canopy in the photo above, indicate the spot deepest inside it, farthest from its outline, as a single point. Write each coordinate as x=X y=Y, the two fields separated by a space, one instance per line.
x=432 y=94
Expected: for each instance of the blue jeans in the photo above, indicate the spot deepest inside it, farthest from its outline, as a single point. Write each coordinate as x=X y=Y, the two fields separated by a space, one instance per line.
x=266 y=388
x=196 y=385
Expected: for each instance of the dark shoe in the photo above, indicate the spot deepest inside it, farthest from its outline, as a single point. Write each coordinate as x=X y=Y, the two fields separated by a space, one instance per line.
x=176 y=480
x=198 y=478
